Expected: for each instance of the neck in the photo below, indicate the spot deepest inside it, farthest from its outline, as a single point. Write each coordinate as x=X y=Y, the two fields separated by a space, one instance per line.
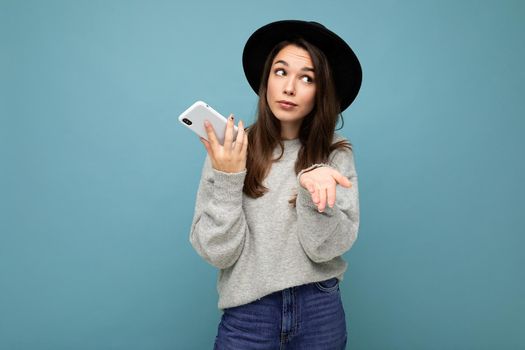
x=290 y=130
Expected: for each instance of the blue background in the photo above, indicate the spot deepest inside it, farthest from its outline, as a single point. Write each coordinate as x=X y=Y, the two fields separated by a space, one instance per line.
x=98 y=179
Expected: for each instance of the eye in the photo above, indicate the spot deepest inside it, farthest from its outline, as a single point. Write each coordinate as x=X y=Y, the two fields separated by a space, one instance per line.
x=280 y=71
x=307 y=79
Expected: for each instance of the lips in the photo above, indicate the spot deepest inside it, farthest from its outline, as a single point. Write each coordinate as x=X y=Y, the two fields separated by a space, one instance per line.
x=286 y=104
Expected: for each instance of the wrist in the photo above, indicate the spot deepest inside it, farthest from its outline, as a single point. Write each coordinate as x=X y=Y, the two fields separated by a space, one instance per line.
x=230 y=171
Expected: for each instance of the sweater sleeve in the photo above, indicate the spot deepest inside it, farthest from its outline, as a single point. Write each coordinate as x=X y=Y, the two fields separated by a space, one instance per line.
x=331 y=233
x=219 y=228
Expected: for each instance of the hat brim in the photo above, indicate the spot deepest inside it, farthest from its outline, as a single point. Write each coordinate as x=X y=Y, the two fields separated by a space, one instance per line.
x=345 y=66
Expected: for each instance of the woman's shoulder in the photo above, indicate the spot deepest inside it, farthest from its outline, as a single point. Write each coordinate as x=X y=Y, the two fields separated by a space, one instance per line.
x=343 y=143
x=338 y=137
x=343 y=153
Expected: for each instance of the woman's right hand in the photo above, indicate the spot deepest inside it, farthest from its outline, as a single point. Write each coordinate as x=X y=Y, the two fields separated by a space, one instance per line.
x=230 y=157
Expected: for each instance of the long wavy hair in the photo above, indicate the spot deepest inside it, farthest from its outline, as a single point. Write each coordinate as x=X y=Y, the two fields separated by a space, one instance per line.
x=316 y=132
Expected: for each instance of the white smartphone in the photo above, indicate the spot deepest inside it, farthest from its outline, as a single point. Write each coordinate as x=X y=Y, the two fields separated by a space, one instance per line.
x=193 y=118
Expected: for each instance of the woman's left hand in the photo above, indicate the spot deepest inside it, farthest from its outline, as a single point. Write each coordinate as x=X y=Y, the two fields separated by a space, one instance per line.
x=321 y=183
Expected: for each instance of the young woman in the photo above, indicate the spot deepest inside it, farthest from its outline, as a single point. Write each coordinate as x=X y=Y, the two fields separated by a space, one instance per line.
x=278 y=205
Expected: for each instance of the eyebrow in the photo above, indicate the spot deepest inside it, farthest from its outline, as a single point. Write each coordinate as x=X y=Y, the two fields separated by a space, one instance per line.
x=307 y=69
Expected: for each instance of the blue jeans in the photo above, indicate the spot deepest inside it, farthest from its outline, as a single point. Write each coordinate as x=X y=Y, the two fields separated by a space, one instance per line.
x=306 y=317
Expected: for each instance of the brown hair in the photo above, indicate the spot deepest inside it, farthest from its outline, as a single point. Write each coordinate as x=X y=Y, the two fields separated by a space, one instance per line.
x=316 y=132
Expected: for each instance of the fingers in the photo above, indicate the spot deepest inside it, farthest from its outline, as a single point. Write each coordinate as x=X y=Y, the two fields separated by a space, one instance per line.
x=314 y=191
x=206 y=144
x=229 y=157
x=322 y=199
x=322 y=185
x=323 y=196
x=228 y=135
x=310 y=187
x=342 y=180
x=330 y=196
x=211 y=134
x=245 y=145
x=239 y=140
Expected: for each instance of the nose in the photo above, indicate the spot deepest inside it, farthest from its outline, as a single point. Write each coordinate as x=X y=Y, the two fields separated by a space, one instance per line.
x=289 y=87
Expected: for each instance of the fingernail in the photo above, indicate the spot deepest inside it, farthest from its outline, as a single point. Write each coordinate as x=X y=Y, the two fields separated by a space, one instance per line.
x=206 y=123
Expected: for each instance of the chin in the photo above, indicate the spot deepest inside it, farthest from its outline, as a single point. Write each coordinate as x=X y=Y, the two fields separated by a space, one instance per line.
x=288 y=116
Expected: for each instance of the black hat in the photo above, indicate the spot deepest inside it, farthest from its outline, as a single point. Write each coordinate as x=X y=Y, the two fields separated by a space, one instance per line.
x=344 y=64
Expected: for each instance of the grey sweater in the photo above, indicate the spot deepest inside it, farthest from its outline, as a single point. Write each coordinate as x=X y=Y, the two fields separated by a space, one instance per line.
x=264 y=245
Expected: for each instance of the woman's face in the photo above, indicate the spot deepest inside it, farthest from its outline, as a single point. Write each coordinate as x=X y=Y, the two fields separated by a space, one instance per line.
x=291 y=86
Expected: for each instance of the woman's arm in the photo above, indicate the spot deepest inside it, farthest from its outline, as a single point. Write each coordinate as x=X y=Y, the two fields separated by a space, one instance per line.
x=218 y=230
x=330 y=233
x=219 y=226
